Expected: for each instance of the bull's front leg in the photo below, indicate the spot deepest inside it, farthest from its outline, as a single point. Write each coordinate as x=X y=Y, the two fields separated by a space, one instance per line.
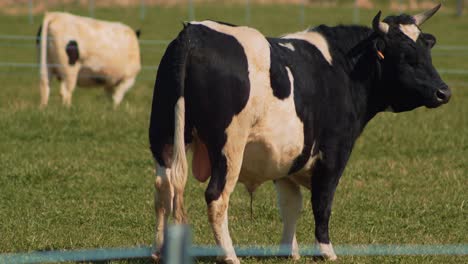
x=325 y=177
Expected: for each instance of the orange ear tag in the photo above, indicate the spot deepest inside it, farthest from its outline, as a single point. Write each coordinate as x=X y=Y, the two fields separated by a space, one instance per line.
x=380 y=54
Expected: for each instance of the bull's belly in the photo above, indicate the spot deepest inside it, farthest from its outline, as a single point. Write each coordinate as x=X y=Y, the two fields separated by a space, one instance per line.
x=272 y=147
x=261 y=165
x=88 y=77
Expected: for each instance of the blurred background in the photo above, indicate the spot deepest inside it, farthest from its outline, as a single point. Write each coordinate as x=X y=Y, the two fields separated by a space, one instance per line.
x=83 y=177
x=160 y=21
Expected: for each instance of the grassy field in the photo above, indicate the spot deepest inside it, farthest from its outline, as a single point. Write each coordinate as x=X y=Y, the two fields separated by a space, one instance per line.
x=82 y=177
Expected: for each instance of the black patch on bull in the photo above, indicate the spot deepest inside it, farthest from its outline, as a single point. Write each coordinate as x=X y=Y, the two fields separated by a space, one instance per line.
x=72 y=52
x=217 y=88
x=278 y=74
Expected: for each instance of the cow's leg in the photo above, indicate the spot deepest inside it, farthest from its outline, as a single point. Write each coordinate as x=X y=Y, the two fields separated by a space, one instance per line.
x=121 y=89
x=45 y=88
x=163 y=199
x=325 y=177
x=290 y=205
x=68 y=84
x=226 y=165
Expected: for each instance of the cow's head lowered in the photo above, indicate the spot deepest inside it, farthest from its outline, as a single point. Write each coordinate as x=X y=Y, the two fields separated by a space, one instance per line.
x=410 y=80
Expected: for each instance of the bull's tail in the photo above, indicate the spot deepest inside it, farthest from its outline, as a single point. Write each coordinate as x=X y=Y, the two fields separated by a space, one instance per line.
x=179 y=159
x=44 y=75
x=168 y=118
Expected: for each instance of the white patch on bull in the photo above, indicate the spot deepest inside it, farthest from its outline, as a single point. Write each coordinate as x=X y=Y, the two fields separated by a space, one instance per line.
x=275 y=140
x=315 y=39
x=412 y=31
x=327 y=251
x=288 y=46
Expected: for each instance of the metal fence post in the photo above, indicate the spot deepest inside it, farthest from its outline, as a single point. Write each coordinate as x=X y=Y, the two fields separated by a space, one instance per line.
x=302 y=13
x=460 y=7
x=142 y=9
x=356 y=12
x=247 y=12
x=91 y=8
x=176 y=248
x=31 y=16
x=191 y=10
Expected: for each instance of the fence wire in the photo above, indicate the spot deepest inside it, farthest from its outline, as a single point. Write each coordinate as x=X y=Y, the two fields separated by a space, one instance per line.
x=144 y=252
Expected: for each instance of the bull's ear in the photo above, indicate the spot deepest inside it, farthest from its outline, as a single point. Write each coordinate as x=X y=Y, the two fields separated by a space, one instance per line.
x=379 y=26
x=419 y=19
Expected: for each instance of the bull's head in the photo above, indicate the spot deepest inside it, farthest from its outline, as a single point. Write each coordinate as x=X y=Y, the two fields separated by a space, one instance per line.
x=409 y=77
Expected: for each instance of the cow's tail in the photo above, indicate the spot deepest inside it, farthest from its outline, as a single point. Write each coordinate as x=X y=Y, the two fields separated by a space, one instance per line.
x=179 y=160
x=44 y=75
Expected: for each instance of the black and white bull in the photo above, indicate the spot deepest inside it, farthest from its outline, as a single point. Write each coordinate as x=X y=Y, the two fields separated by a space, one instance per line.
x=289 y=109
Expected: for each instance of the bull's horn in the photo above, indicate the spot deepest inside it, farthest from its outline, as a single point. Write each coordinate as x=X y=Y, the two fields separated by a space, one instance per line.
x=378 y=25
x=419 y=19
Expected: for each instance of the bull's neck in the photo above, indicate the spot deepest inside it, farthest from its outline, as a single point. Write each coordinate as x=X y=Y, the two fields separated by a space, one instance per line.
x=348 y=44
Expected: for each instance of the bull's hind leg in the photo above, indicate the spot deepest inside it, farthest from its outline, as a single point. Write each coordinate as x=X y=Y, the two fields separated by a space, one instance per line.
x=226 y=165
x=68 y=84
x=163 y=201
x=121 y=89
x=290 y=205
x=44 y=87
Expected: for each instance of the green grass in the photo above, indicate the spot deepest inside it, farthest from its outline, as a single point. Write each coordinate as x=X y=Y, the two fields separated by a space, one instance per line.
x=82 y=177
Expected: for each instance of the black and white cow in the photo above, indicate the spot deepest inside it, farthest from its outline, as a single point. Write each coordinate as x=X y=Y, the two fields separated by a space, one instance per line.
x=289 y=109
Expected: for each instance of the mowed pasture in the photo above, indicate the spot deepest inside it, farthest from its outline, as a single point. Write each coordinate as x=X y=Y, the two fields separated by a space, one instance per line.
x=83 y=177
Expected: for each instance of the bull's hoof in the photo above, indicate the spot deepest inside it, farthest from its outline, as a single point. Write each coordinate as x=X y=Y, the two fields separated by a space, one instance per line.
x=156 y=257
x=230 y=260
x=327 y=252
x=331 y=257
x=295 y=256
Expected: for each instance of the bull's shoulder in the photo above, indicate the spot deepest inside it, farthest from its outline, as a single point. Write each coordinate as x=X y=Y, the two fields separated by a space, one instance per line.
x=314 y=38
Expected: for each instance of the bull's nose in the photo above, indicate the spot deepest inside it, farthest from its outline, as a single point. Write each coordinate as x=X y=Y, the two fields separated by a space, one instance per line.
x=443 y=95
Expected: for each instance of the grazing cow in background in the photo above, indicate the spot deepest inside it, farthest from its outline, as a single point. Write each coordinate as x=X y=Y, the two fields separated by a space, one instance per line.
x=289 y=109
x=87 y=52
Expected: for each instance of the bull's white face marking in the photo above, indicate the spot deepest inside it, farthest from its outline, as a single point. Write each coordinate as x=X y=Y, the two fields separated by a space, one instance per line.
x=288 y=46
x=315 y=39
x=412 y=31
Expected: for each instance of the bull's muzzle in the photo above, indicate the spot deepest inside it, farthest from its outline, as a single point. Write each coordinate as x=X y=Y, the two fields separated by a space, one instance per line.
x=443 y=95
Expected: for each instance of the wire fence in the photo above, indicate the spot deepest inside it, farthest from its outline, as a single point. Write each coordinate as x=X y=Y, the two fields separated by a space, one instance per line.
x=182 y=251
x=459 y=6
x=17 y=41
x=178 y=249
